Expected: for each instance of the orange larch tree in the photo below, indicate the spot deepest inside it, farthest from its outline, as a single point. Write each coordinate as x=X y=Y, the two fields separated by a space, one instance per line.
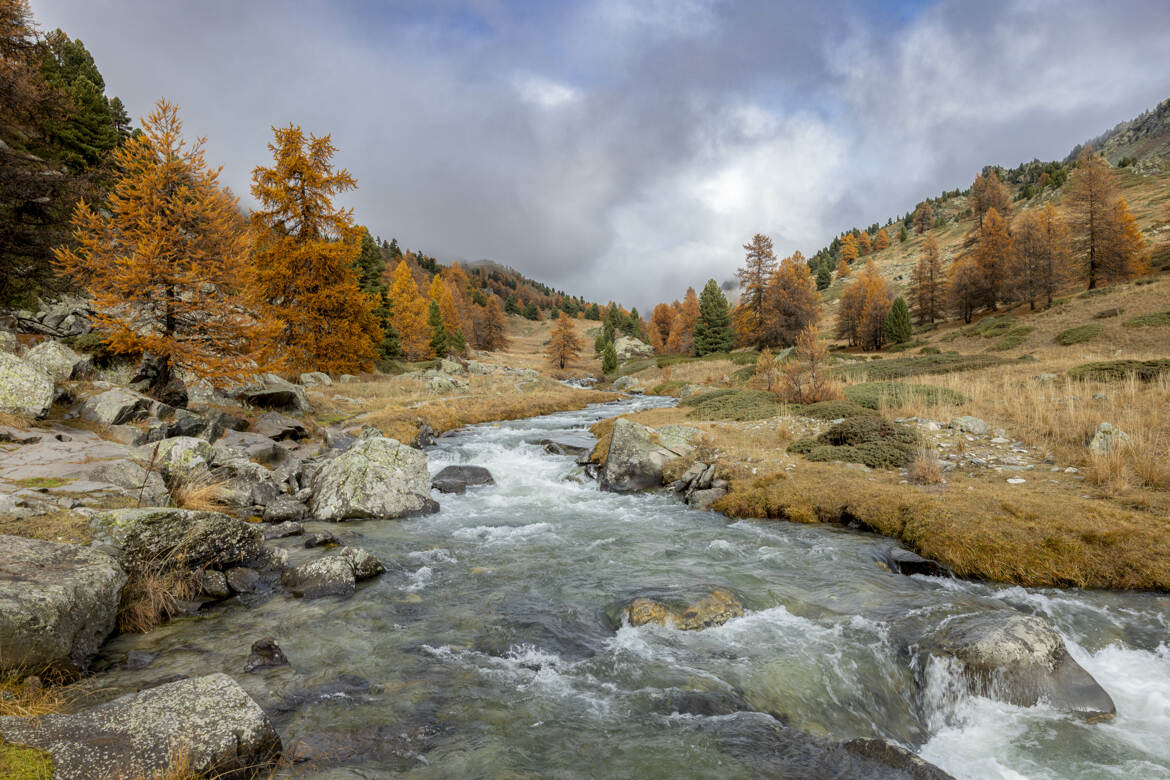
x=928 y=285
x=492 y=331
x=304 y=257
x=661 y=322
x=987 y=193
x=863 y=307
x=965 y=287
x=758 y=265
x=923 y=217
x=849 y=250
x=1123 y=251
x=864 y=243
x=792 y=303
x=881 y=241
x=842 y=269
x=1042 y=255
x=682 y=334
x=995 y=254
x=409 y=313
x=1089 y=203
x=564 y=346
x=166 y=256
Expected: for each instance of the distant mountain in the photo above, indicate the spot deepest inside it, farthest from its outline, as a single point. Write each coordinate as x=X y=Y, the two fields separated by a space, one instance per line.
x=1143 y=141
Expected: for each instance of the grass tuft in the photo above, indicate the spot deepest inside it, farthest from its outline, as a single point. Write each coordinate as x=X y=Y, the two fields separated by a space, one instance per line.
x=1121 y=370
x=1012 y=339
x=920 y=365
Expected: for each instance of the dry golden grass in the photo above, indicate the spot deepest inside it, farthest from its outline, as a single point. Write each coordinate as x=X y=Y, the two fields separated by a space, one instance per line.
x=924 y=469
x=60 y=526
x=200 y=493
x=25 y=697
x=14 y=421
x=152 y=596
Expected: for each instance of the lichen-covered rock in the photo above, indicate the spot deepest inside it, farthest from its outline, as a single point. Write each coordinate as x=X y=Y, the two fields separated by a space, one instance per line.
x=57 y=360
x=624 y=383
x=1106 y=438
x=8 y=342
x=142 y=538
x=637 y=454
x=57 y=603
x=279 y=427
x=180 y=458
x=714 y=609
x=969 y=424
x=628 y=347
x=208 y=723
x=315 y=378
x=364 y=564
x=376 y=477
x=457 y=478
x=134 y=479
x=1020 y=659
x=115 y=407
x=328 y=576
x=272 y=392
x=25 y=391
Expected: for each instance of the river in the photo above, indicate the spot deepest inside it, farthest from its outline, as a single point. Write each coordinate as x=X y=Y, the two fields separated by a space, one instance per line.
x=485 y=649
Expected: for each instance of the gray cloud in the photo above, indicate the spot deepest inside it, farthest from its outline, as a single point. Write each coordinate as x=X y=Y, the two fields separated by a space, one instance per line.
x=624 y=148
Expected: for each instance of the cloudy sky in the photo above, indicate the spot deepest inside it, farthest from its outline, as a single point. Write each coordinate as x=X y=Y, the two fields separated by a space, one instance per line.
x=625 y=149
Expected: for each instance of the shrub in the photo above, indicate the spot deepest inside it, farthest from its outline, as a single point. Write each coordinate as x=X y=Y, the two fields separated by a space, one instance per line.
x=1079 y=334
x=867 y=429
x=668 y=388
x=924 y=470
x=1120 y=370
x=921 y=365
x=833 y=410
x=870 y=440
x=733 y=405
x=873 y=395
x=1012 y=339
x=990 y=327
x=1154 y=320
x=929 y=350
x=1105 y=314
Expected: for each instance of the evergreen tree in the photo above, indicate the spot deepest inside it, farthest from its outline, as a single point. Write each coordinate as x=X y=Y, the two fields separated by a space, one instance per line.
x=393 y=249
x=903 y=234
x=510 y=304
x=531 y=311
x=594 y=313
x=120 y=118
x=824 y=276
x=369 y=265
x=87 y=131
x=896 y=327
x=438 y=331
x=713 y=331
x=458 y=342
x=609 y=359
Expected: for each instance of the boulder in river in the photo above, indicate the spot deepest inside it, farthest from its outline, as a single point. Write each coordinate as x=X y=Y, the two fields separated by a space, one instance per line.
x=57 y=604
x=1020 y=659
x=375 y=478
x=25 y=391
x=902 y=561
x=265 y=652
x=328 y=576
x=142 y=538
x=714 y=609
x=456 y=479
x=209 y=723
x=637 y=454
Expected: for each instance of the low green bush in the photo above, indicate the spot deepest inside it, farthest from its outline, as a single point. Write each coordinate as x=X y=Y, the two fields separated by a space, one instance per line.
x=1154 y=320
x=1079 y=334
x=929 y=350
x=1105 y=314
x=1120 y=370
x=874 y=395
x=870 y=440
x=919 y=365
x=833 y=410
x=1012 y=339
x=668 y=388
x=733 y=405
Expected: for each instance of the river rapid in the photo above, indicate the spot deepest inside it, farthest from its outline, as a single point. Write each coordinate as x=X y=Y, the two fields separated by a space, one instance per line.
x=485 y=650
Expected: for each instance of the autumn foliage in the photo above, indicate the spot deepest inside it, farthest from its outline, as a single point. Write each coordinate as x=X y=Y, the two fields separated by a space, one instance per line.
x=564 y=347
x=928 y=285
x=409 y=313
x=304 y=256
x=862 y=311
x=165 y=258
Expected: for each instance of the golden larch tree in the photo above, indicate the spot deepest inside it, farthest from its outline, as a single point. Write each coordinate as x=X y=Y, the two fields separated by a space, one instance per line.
x=1042 y=255
x=995 y=254
x=923 y=217
x=1089 y=205
x=492 y=329
x=758 y=265
x=842 y=269
x=928 y=285
x=881 y=241
x=166 y=256
x=661 y=322
x=682 y=334
x=863 y=307
x=564 y=346
x=864 y=243
x=1123 y=251
x=849 y=250
x=965 y=287
x=409 y=313
x=792 y=303
x=304 y=257
x=987 y=193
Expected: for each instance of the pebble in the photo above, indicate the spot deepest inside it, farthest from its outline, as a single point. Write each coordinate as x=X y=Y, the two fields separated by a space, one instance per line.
x=1016 y=481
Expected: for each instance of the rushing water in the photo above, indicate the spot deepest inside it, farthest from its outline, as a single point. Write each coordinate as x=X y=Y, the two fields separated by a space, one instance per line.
x=485 y=650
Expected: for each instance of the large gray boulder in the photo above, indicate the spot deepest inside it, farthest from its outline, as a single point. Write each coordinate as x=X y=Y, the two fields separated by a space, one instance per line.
x=333 y=575
x=187 y=538
x=628 y=347
x=376 y=477
x=637 y=454
x=115 y=407
x=208 y=723
x=8 y=342
x=132 y=478
x=314 y=378
x=180 y=458
x=457 y=478
x=58 y=360
x=1020 y=659
x=1106 y=438
x=25 y=391
x=272 y=392
x=57 y=604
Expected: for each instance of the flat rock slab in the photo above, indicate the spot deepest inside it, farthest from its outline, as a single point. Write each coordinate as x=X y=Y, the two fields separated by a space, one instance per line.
x=57 y=603
x=209 y=722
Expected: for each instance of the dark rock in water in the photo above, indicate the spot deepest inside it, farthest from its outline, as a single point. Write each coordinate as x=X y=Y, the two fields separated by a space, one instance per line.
x=321 y=539
x=1020 y=659
x=395 y=747
x=209 y=723
x=282 y=530
x=242 y=579
x=364 y=564
x=705 y=703
x=714 y=608
x=456 y=479
x=139 y=659
x=265 y=652
x=774 y=750
x=902 y=561
x=576 y=444
x=425 y=437
x=214 y=584
x=345 y=686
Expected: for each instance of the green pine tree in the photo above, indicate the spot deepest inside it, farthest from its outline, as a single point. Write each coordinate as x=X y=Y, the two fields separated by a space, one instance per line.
x=458 y=342
x=824 y=276
x=369 y=265
x=531 y=312
x=896 y=327
x=438 y=332
x=510 y=304
x=87 y=131
x=903 y=234
x=609 y=359
x=713 y=332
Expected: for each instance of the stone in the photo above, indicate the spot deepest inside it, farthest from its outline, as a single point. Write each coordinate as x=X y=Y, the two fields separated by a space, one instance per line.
x=58 y=361
x=624 y=383
x=456 y=479
x=141 y=538
x=241 y=579
x=180 y=458
x=969 y=424
x=448 y=366
x=1045 y=379
x=338 y=440
x=346 y=379
x=282 y=510
x=1020 y=659
x=1107 y=438
x=637 y=454
x=115 y=407
x=328 y=576
x=8 y=342
x=376 y=477
x=628 y=347
x=444 y=383
x=272 y=392
x=475 y=367
x=902 y=561
x=712 y=610
x=279 y=427
x=703 y=499
x=315 y=379
x=134 y=479
x=58 y=603
x=213 y=583
x=265 y=652
x=283 y=530
x=25 y=391
x=364 y=564
x=208 y=723
x=321 y=539
x=575 y=444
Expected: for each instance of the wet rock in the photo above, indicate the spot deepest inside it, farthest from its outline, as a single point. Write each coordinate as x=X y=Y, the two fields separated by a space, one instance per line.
x=57 y=604
x=456 y=479
x=364 y=564
x=209 y=723
x=1107 y=438
x=279 y=427
x=425 y=437
x=575 y=444
x=969 y=424
x=376 y=477
x=321 y=539
x=253 y=446
x=142 y=538
x=283 y=510
x=115 y=407
x=315 y=379
x=329 y=576
x=241 y=579
x=265 y=652
x=1020 y=659
x=902 y=561
x=703 y=499
x=711 y=610
x=25 y=391
x=283 y=530
x=58 y=361
x=637 y=454
x=214 y=584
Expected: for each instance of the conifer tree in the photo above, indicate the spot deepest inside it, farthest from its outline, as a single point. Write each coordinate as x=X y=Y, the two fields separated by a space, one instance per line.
x=849 y=249
x=86 y=130
x=564 y=346
x=1042 y=255
x=923 y=217
x=987 y=193
x=791 y=305
x=842 y=269
x=409 y=313
x=1123 y=249
x=438 y=342
x=165 y=258
x=682 y=334
x=864 y=243
x=369 y=265
x=661 y=323
x=995 y=256
x=304 y=258
x=609 y=359
x=903 y=234
x=1089 y=201
x=492 y=336
x=965 y=287
x=759 y=263
x=928 y=284
x=713 y=331
x=824 y=277
x=863 y=307
x=882 y=241
x=897 y=329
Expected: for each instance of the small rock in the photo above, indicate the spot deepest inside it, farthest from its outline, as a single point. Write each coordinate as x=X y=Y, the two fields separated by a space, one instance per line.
x=25 y=391
x=214 y=584
x=363 y=563
x=321 y=539
x=279 y=427
x=241 y=579
x=329 y=576
x=1106 y=438
x=265 y=652
x=969 y=424
x=283 y=530
x=282 y=510
x=315 y=378
x=1016 y=480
